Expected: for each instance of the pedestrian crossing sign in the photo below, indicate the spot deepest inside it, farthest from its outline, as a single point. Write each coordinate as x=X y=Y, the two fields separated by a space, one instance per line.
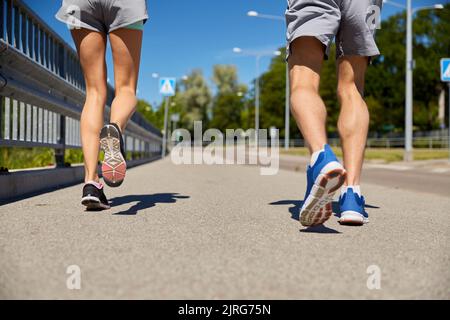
x=167 y=86
x=445 y=69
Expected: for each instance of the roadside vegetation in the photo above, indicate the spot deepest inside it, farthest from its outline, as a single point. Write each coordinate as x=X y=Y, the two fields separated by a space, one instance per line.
x=382 y=155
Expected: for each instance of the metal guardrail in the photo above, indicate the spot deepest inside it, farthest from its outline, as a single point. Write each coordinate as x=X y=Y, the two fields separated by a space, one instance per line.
x=42 y=89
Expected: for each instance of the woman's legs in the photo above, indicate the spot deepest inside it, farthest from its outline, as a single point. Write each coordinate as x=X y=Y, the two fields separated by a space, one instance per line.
x=91 y=48
x=126 y=48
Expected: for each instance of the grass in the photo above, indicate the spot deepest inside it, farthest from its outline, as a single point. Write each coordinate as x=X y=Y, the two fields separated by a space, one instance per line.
x=24 y=158
x=386 y=155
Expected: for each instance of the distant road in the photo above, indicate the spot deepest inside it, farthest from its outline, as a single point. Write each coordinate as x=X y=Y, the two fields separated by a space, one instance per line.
x=425 y=176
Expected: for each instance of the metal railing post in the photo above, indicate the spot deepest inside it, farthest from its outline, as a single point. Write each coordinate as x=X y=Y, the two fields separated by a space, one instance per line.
x=61 y=150
x=2 y=99
x=133 y=144
x=2 y=19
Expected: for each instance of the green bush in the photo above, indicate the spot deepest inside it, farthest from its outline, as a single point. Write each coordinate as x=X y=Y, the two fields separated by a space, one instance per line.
x=23 y=158
x=73 y=156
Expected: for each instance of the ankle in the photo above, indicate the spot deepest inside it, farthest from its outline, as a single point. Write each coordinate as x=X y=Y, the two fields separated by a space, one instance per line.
x=119 y=124
x=95 y=179
x=315 y=154
x=316 y=147
x=356 y=189
x=97 y=184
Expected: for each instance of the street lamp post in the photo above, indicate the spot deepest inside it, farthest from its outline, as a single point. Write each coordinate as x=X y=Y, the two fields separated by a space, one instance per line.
x=258 y=56
x=409 y=86
x=287 y=109
x=156 y=76
x=165 y=135
x=408 y=155
x=448 y=142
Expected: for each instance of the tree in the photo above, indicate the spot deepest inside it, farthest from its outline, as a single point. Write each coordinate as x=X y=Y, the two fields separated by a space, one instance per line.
x=227 y=112
x=229 y=100
x=225 y=78
x=155 y=117
x=194 y=100
x=386 y=78
x=432 y=42
x=272 y=94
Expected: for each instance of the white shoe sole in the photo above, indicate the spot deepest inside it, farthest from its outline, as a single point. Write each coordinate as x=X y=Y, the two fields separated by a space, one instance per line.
x=93 y=203
x=352 y=218
x=317 y=208
x=114 y=165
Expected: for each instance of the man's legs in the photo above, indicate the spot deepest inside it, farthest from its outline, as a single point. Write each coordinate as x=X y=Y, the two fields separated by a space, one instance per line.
x=353 y=121
x=91 y=48
x=305 y=64
x=325 y=175
x=126 y=48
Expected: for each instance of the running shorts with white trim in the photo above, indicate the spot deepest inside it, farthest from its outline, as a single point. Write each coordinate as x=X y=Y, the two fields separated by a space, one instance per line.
x=352 y=22
x=102 y=15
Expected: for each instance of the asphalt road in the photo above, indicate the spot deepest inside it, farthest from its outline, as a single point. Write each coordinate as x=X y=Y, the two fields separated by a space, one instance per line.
x=222 y=232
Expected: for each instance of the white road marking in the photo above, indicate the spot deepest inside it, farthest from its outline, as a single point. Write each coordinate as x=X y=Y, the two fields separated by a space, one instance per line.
x=440 y=170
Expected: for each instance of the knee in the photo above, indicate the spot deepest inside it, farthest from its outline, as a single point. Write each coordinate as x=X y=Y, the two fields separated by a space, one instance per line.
x=126 y=91
x=96 y=94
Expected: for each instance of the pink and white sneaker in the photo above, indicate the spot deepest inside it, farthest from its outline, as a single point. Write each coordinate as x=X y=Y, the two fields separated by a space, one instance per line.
x=114 y=165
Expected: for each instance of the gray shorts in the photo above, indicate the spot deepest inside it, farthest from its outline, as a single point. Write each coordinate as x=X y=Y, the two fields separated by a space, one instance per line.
x=351 y=22
x=102 y=15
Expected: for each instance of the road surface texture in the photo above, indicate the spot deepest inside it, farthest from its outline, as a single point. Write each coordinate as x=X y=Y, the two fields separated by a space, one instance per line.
x=223 y=232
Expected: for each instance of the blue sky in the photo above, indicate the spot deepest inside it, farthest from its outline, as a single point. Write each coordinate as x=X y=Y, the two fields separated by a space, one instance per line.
x=182 y=35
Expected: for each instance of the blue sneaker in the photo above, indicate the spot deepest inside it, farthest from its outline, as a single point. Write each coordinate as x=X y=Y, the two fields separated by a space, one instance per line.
x=325 y=177
x=352 y=209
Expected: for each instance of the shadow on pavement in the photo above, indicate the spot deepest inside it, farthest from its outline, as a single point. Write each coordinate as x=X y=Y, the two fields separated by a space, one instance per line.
x=294 y=210
x=144 y=201
x=320 y=229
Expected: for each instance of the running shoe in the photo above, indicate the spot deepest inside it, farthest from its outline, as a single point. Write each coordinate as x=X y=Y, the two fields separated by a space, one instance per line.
x=352 y=209
x=114 y=165
x=93 y=197
x=324 y=178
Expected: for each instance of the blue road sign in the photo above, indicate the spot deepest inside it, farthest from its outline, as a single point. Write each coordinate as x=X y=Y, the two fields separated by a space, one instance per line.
x=167 y=86
x=445 y=69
